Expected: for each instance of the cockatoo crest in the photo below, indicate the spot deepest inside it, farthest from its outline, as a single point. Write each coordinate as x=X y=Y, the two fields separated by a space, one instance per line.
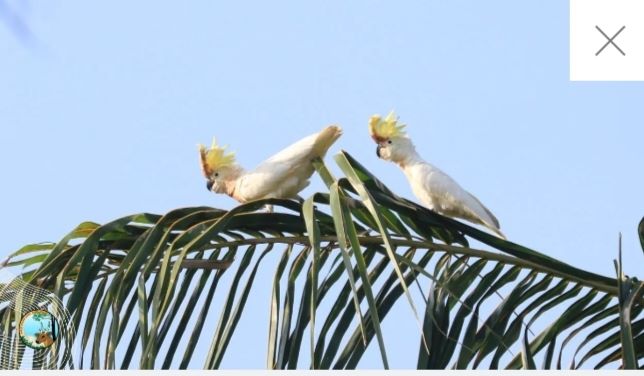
x=382 y=130
x=214 y=158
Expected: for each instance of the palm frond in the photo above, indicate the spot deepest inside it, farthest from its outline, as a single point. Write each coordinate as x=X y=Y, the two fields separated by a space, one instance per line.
x=140 y=285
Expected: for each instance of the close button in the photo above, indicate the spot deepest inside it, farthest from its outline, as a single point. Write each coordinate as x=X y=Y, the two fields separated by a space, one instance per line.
x=607 y=40
x=610 y=40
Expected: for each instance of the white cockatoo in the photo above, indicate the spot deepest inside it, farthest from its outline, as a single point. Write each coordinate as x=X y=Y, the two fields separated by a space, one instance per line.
x=283 y=175
x=434 y=188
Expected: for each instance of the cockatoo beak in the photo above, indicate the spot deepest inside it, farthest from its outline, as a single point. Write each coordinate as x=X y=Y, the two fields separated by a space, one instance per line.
x=378 y=151
x=209 y=184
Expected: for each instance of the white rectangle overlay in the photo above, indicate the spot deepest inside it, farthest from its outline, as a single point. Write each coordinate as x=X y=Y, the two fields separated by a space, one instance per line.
x=607 y=40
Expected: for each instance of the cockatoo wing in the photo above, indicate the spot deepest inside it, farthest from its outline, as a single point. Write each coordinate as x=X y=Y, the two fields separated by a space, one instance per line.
x=286 y=173
x=443 y=194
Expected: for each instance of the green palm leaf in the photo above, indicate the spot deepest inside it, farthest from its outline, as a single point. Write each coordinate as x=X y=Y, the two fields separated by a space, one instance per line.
x=146 y=285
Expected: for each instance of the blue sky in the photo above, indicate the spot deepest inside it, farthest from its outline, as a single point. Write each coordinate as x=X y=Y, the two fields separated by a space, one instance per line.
x=102 y=105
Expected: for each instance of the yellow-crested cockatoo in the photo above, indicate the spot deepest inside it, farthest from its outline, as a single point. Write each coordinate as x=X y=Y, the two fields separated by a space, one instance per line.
x=434 y=188
x=283 y=175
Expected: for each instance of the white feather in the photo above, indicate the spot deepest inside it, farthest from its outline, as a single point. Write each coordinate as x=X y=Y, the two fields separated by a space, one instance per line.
x=286 y=173
x=439 y=192
x=434 y=188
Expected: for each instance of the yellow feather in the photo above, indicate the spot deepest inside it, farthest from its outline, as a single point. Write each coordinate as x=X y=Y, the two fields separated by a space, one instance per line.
x=215 y=158
x=381 y=130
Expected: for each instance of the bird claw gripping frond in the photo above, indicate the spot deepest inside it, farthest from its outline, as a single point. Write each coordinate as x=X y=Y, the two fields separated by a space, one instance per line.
x=214 y=158
x=381 y=130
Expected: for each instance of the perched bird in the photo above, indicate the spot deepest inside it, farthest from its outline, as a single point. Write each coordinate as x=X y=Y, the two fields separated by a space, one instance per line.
x=283 y=175
x=434 y=188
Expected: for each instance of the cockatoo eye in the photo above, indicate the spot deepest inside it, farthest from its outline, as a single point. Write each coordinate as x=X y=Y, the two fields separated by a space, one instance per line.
x=389 y=142
x=216 y=174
